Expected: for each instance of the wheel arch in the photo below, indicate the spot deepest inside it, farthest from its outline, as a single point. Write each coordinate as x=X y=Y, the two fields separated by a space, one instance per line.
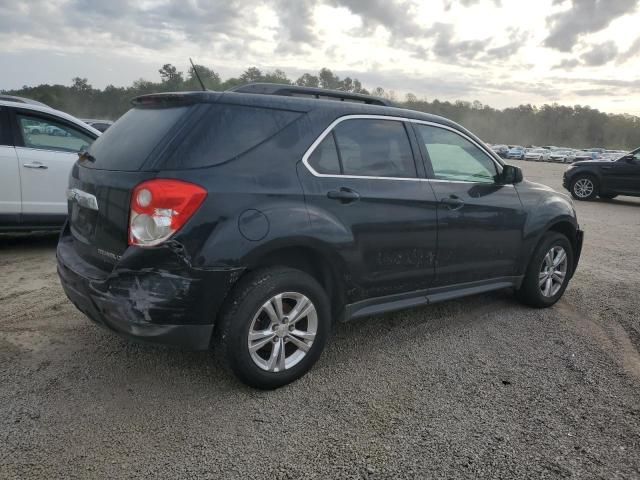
x=316 y=261
x=567 y=228
x=590 y=172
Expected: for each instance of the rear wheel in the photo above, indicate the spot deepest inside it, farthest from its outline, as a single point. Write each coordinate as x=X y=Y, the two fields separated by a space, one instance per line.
x=274 y=327
x=584 y=187
x=548 y=272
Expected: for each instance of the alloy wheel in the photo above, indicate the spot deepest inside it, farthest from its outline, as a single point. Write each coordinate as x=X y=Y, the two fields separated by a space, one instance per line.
x=282 y=331
x=583 y=188
x=553 y=271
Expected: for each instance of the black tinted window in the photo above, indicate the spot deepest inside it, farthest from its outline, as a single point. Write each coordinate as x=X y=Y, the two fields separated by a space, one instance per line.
x=324 y=158
x=455 y=158
x=375 y=148
x=127 y=144
x=225 y=132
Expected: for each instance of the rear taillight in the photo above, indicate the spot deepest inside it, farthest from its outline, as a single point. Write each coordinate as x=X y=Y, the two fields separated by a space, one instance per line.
x=159 y=208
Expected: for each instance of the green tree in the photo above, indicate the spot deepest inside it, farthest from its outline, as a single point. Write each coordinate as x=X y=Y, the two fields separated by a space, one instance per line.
x=329 y=80
x=210 y=79
x=308 y=80
x=171 y=78
x=552 y=124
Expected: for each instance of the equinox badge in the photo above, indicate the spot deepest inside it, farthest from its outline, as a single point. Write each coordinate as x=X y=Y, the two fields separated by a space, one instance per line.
x=83 y=199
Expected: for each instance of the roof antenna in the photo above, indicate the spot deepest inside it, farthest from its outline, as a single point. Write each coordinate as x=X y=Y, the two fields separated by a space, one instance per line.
x=195 y=70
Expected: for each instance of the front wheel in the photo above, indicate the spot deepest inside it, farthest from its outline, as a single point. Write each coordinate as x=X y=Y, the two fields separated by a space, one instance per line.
x=584 y=187
x=274 y=327
x=548 y=272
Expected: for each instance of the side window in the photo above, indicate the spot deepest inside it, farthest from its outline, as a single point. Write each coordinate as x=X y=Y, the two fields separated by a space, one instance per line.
x=51 y=135
x=324 y=158
x=455 y=158
x=5 y=132
x=375 y=148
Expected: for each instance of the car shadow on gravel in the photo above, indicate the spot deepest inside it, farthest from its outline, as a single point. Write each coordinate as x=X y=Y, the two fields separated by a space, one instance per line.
x=629 y=201
x=28 y=240
x=371 y=334
x=145 y=366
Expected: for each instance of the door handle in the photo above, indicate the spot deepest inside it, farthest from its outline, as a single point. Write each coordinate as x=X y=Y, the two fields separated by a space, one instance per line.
x=606 y=167
x=35 y=165
x=345 y=195
x=453 y=202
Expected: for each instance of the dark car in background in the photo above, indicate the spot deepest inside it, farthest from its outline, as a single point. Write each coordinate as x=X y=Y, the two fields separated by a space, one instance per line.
x=606 y=179
x=501 y=150
x=100 y=125
x=253 y=219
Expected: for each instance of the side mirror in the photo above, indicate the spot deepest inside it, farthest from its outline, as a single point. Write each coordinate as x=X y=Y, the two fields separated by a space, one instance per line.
x=629 y=158
x=511 y=175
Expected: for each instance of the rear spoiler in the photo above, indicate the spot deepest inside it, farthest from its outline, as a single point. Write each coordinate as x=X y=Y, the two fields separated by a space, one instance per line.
x=173 y=99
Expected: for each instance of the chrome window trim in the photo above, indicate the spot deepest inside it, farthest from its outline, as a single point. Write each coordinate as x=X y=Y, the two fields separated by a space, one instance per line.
x=326 y=131
x=49 y=150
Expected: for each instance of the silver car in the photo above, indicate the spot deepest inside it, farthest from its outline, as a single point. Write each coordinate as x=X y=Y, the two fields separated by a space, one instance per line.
x=537 y=154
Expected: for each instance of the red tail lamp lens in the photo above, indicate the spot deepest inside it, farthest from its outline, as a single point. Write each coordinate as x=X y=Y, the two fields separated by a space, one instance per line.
x=159 y=208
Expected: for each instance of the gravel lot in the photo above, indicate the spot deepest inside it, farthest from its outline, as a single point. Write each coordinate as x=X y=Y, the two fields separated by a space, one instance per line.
x=480 y=387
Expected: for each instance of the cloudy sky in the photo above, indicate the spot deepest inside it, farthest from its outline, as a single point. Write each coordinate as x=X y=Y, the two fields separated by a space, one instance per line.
x=500 y=52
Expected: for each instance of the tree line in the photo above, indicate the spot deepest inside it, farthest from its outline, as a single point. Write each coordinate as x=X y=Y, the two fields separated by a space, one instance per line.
x=572 y=126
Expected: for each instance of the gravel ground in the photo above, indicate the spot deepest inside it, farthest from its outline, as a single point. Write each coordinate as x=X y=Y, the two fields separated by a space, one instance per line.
x=480 y=387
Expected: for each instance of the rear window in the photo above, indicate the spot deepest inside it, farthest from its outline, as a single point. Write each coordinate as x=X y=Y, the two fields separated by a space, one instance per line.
x=225 y=132
x=128 y=143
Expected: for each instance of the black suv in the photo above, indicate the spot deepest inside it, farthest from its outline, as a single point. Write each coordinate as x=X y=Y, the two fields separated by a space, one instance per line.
x=600 y=178
x=251 y=220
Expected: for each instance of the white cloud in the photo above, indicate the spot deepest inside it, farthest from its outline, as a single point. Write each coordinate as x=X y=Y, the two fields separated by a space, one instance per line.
x=502 y=53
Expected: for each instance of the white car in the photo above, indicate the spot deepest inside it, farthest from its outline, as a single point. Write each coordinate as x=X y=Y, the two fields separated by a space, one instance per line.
x=35 y=162
x=538 y=154
x=563 y=156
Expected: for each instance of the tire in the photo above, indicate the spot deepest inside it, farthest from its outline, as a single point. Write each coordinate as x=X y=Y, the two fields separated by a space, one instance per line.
x=532 y=291
x=245 y=312
x=580 y=189
x=608 y=196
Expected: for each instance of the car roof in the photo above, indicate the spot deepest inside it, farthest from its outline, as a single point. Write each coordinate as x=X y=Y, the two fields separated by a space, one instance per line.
x=298 y=103
x=14 y=99
x=50 y=111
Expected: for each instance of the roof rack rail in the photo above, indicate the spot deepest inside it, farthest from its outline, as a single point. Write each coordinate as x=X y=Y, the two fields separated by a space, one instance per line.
x=11 y=98
x=294 y=91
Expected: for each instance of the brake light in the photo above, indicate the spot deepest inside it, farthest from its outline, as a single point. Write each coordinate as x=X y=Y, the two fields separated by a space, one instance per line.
x=161 y=207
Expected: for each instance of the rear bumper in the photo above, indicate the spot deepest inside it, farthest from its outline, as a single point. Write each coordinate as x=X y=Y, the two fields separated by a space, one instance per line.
x=149 y=305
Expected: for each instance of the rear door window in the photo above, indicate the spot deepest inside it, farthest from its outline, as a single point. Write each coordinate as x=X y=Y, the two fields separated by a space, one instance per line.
x=375 y=148
x=324 y=159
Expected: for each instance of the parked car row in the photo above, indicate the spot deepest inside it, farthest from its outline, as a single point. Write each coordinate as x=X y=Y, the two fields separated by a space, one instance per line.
x=555 y=154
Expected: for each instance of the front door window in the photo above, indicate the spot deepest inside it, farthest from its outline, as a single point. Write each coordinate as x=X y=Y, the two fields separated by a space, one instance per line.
x=46 y=134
